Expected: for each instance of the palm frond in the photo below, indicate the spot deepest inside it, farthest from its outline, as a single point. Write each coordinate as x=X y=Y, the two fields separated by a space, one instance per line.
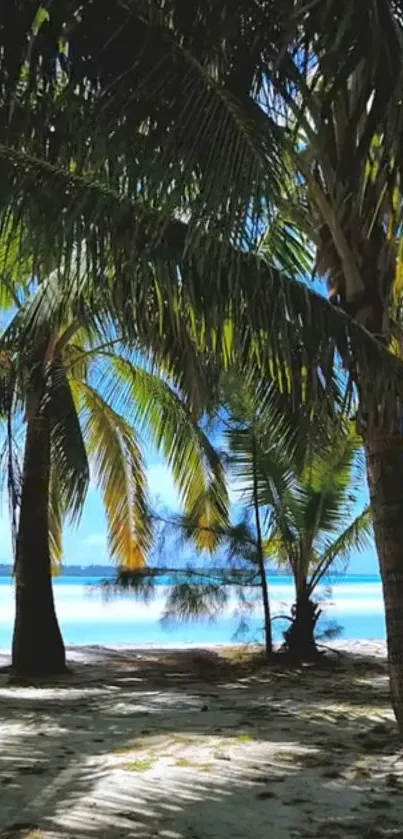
x=261 y=296
x=190 y=116
x=325 y=487
x=16 y=266
x=307 y=526
x=273 y=472
x=55 y=523
x=119 y=471
x=280 y=550
x=155 y=407
x=356 y=537
x=68 y=453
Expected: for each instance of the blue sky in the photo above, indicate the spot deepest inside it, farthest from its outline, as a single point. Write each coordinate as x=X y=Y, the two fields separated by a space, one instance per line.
x=86 y=544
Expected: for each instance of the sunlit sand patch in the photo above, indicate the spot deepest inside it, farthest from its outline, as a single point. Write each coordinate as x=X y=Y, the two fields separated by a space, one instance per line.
x=145 y=747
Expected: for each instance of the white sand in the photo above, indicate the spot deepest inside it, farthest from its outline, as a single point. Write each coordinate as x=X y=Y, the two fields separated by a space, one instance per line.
x=182 y=745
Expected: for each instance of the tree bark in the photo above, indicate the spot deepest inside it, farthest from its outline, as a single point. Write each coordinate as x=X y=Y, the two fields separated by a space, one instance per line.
x=384 y=453
x=38 y=648
x=300 y=637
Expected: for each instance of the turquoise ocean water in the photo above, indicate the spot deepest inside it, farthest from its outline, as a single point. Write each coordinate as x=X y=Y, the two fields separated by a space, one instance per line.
x=355 y=604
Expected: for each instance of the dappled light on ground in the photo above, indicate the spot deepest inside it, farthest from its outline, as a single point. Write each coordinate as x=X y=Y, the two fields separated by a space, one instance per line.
x=184 y=745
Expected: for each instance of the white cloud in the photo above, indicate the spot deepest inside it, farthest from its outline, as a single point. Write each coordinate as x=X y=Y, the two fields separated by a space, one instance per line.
x=162 y=486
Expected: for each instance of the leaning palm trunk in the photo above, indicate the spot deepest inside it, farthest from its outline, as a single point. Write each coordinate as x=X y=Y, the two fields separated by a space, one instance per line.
x=358 y=251
x=38 y=648
x=384 y=451
x=383 y=443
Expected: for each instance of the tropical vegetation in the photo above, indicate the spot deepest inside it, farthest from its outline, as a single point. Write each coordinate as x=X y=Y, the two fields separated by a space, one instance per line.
x=312 y=531
x=293 y=508
x=209 y=161
x=300 y=496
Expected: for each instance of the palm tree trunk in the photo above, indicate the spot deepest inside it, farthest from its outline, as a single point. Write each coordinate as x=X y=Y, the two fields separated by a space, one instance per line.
x=300 y=637
x=384 y=453
x=260 y=558
x=38 y=648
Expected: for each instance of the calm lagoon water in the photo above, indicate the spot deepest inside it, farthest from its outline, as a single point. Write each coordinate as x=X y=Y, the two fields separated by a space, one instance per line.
x=86 y=618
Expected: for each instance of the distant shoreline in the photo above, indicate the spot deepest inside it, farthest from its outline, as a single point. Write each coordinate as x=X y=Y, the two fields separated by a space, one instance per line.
x=106 y=571
x=109 y=571
x=71 y=571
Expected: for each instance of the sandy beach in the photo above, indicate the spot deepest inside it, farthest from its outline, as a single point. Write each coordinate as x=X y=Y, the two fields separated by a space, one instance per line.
x=189 y=744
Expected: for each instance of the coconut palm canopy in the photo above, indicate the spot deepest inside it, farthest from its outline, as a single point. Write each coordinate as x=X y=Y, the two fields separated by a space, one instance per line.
x=140 y=184
x=308 y=531
x=304 y=492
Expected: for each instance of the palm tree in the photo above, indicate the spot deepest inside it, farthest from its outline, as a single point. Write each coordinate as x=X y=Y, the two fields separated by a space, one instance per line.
x=307 y=531
x=348 y=156
x=240 y=544
x=294 y=506
x=285 y=116
x=250 y=426
x=84 y=399
x=299 y=498
x=263 y=441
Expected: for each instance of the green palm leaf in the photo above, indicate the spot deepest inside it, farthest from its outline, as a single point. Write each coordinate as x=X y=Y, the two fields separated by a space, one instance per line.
x=55 y=523
x=319 y=500
x=119 y=471
x=260 y=294
x=68 y=451
x=356 y=537
x=164 y=417
x=187 y=97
